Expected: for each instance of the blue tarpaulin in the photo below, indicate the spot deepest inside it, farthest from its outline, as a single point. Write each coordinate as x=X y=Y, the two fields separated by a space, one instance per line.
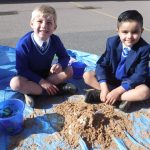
x=37 y=125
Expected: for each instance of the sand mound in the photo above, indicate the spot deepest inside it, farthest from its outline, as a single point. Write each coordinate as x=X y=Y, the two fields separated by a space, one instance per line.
x=95 y=123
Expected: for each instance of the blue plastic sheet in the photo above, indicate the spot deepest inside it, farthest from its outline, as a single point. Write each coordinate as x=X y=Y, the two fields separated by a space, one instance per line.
x=38 y=127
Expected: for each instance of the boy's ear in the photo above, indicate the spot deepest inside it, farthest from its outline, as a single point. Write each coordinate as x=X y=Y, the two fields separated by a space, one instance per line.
x=31 y=23
x=55 y=27
x=142 y=30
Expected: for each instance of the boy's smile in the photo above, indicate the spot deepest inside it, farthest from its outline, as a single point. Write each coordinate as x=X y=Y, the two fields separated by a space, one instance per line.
x=130 y=32
x=43 y=26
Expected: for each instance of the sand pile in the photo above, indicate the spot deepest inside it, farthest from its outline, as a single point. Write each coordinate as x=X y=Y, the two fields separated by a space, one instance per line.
x=95 y=123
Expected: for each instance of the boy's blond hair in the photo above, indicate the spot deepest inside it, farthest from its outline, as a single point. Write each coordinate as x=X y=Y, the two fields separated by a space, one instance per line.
x=44 y=10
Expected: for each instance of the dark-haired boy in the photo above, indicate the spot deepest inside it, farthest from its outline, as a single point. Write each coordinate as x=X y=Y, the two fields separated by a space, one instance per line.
x=122 y=71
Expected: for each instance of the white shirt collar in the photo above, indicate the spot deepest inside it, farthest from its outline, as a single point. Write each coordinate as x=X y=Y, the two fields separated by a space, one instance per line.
x=39 y=41
x=123 y=46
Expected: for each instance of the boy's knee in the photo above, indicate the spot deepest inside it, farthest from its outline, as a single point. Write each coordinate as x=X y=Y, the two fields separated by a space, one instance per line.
x=87 y=76
x=145 y=91
x=15 y=83
x=69 y=72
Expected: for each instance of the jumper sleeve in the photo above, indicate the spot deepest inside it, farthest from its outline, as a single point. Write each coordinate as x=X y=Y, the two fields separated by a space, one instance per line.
x=22 y=64
x=126 y=86
x=63 y=57
x=103 y=65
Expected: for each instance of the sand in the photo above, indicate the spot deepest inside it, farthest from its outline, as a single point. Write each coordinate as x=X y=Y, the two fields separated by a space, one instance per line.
x=94 y=123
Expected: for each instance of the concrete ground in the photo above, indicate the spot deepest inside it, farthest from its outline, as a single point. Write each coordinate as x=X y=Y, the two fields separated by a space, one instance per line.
x=82 y=25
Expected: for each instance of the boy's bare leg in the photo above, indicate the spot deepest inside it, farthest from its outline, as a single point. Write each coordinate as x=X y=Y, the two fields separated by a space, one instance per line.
x=90 y=79
x=61 y=77
x=140 y=93
x=25 y=86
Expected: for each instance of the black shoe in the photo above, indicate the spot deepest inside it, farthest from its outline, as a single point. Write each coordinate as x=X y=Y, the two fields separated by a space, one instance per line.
x=67 y=88
x=116 y=104
x=92 y=96
x=124 y=106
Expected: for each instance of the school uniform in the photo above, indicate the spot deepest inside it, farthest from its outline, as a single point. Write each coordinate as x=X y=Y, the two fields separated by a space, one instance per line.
x=135 y=69
x=33 y=61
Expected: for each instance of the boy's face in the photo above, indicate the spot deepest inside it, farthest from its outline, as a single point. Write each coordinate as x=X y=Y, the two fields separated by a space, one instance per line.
x=130 y=32
x=43 y=26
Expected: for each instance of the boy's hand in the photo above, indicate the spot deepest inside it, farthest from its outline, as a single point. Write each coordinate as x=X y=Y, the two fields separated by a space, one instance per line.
x=103 y=95
x=104 y=91
x=50 y=88
x=56 y=68
x=114 y=95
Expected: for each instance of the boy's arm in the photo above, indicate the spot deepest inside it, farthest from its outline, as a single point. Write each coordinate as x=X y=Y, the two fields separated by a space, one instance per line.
x=103 y=65
x=102 y=68
x=23 y=67
x=63 y=57
x=104 y=91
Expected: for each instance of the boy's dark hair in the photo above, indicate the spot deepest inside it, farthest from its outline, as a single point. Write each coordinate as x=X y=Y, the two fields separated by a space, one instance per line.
x=130 y=15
